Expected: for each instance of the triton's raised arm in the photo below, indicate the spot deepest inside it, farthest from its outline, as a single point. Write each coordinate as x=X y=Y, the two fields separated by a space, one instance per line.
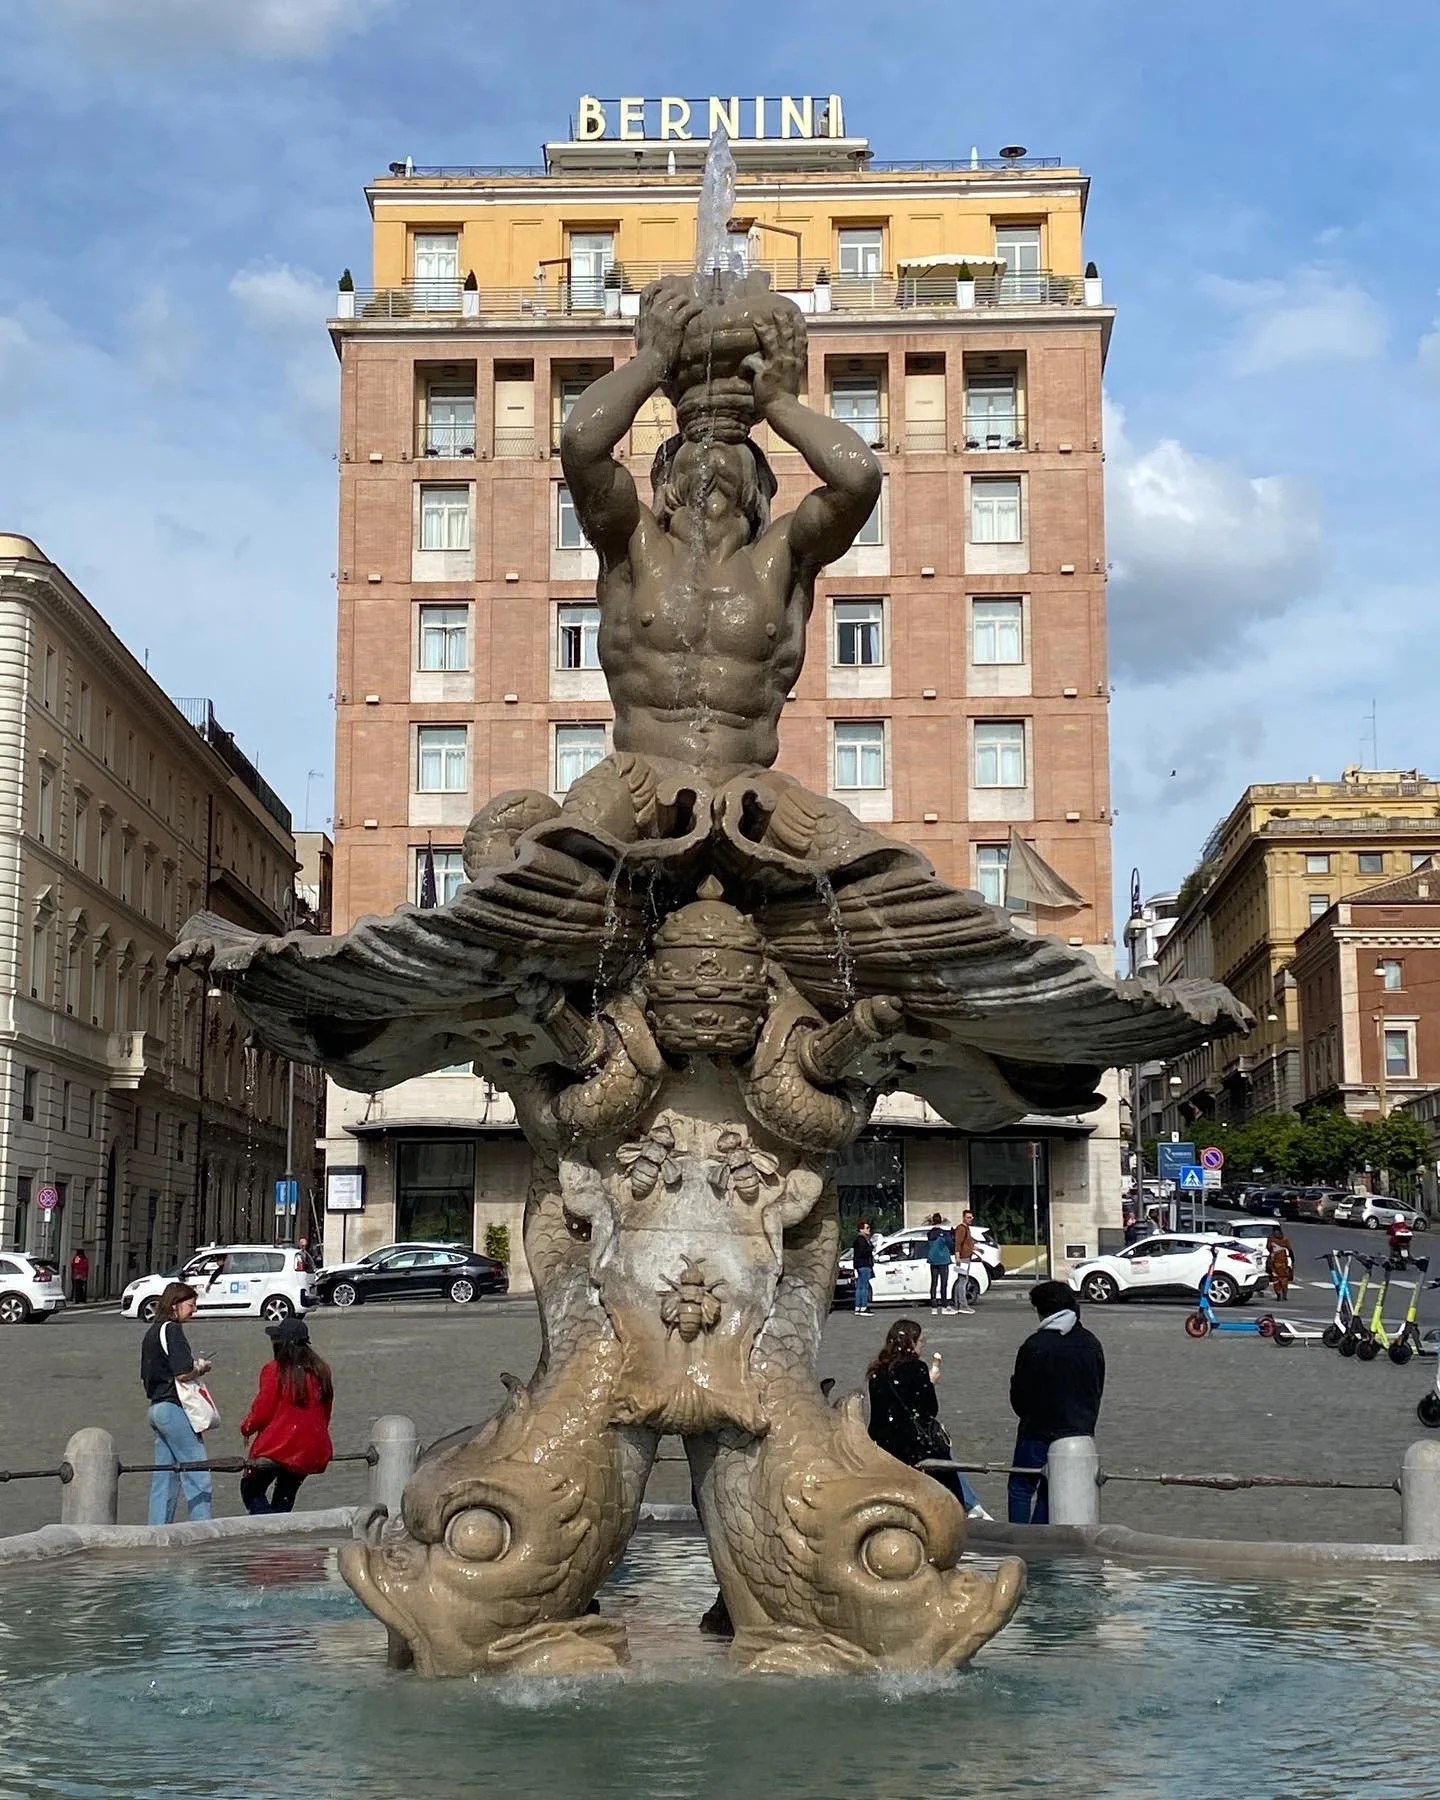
x=604 y=493
x=826 y=522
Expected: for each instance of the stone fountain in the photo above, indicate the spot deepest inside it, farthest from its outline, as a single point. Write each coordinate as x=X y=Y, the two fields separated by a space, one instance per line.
x=694 y=977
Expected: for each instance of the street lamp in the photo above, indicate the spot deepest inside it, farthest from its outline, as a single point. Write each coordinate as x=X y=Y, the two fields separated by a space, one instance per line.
x=1379 y=1018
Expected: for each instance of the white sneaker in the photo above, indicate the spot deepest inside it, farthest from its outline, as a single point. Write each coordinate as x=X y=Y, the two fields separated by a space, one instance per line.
x=965 y=1309
x=934 y=1312
x=977 y=1511
x=950 y=1312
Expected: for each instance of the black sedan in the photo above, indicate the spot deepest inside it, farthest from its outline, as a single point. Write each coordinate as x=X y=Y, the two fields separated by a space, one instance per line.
x=421 y=1272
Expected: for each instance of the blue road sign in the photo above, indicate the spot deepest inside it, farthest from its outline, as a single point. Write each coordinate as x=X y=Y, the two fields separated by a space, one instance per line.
x=1191 y=1178
x=1171 y=1158
x=287 y=1196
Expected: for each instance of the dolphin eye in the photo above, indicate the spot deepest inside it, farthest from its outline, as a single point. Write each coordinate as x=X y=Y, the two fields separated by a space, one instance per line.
x=892 y=1553
x=478 y=1535
x=578 y=1228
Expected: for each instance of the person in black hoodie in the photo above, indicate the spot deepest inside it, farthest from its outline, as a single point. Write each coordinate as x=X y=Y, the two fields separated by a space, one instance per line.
x=1055 y=1392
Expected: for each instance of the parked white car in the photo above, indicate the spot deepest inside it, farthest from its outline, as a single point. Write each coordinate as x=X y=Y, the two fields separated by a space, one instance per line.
x=29 y=1289
x=902 y=1273
x=268 y=1281
x=1172 y=1263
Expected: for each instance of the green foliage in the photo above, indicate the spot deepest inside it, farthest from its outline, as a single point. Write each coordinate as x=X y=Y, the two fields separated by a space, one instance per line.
x=497 y=1243
x=963 y=273
x=1398 y=1143
x=1324 y=1148
x=347 y=282
x=1193 y=886
x=1091 y=272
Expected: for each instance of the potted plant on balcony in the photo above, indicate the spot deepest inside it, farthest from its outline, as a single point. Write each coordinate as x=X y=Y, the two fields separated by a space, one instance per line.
x=1094 y=293
x=470 y=296
x=345 y=296
x=964 y=287
x=822 y=289
x=613 y=282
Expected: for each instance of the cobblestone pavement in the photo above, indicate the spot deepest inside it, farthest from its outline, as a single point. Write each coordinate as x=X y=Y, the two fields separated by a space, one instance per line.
x=1231 y=1403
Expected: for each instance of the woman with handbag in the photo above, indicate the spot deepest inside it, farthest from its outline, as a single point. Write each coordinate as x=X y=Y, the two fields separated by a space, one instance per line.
x=289 y=1420
x=905 y=1413
x=171 y=1374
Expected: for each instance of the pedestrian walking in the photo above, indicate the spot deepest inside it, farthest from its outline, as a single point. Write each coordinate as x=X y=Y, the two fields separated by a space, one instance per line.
x=905 y=1411
x=165 y=1358
x=79 y=1276
x=289 y=1421
x=1279 y=1260
x=1055 y=1392
x=964 y=1256
x=862 y=1252
x=937 y=1254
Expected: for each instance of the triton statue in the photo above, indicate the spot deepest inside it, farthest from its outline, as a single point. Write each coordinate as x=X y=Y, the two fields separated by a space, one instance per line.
x=694 y=978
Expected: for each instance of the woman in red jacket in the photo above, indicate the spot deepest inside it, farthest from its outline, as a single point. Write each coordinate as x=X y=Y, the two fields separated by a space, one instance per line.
x=289 y=1420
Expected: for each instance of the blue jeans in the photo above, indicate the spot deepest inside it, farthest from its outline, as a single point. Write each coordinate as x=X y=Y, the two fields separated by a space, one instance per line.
x=862 y=1288
x=176 y=1442
x=1028 y=1496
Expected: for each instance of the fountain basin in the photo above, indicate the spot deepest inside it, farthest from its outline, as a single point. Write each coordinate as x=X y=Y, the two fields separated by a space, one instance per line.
x=254 y=1669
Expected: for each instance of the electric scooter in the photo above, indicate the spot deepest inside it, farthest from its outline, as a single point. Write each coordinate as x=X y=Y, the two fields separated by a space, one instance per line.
x=1355 y=1326
x=1428 y=1411
x=1375 y=1337
x=1339 y=1262
x=1406 y=1342
x=1205 y=1319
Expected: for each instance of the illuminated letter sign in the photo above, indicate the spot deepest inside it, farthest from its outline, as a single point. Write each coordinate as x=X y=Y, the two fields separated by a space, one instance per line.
x=669 y=118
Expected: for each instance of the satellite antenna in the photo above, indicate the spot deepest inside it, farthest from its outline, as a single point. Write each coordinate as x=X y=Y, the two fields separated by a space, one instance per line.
x=1011 y=153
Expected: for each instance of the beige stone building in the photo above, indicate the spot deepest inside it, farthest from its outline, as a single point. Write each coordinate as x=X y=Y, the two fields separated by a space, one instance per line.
x=955 y=687
x=127 y=1094
x=1283 y=856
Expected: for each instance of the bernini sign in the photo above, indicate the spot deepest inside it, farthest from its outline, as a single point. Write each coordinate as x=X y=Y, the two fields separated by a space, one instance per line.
x=785 y=116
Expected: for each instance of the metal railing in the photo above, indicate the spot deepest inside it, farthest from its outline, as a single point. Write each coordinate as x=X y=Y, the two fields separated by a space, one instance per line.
x=872 y=428
x=992 y=431
x=984 y=165
x=590 y=301
x=448 y=439
x=517 y=441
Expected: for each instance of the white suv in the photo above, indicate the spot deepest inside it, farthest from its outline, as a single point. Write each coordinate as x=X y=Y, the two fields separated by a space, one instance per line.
x=271 y=1281
x=1172 y=1263
x=29 y=1289
x=902 y=1271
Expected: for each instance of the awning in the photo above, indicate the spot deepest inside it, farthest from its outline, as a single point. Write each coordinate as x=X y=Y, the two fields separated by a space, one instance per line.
x=951 y=259
x=1030 y=881
x=448 y=1126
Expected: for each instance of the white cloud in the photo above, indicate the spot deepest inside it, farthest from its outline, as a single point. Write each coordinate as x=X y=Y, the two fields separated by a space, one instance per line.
x=289 y=307
x=1199 y=551
x=1310 y=316
x=266 y=28
x=1427 y=351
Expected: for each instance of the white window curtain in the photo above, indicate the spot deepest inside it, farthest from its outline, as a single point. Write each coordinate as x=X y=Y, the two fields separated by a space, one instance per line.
x=1000 y=753
x=995 y=510
x=441 y=759
x=859 y=755
x=990 y=865
x=577 y=749
x=999 y=631
x=568 y=535
x=444 y=637
x=578 y=637
x=859 y=633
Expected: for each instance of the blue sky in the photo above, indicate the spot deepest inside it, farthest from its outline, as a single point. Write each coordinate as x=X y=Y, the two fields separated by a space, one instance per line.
x=183 y=182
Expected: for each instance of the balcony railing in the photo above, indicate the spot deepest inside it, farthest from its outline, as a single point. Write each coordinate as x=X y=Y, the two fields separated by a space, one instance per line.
x=925 y=436
x=516 y=440
x=872 y=428
x=593 y=301
x=995 y=431
x=445 y=438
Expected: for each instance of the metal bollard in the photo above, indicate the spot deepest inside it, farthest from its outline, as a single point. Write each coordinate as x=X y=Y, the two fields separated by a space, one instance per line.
x=1073 y=1464
x=397 y=1444
x=92 y=1495
x=1420 y=1495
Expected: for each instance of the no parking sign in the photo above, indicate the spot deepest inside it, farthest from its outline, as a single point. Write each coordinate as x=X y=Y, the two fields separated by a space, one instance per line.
x=47 y=1197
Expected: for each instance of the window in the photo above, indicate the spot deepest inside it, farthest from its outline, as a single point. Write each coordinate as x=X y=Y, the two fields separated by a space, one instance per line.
x=568 y=535
x=147 y=886
x=571 y=388
x=102 y=866
x=1317 y=862
x=127 y=869
x=861 y=251
x=449 y=874
x=577 y=640
x=82 y=831
x=449 y=422
x=40 y=956
x=999 y=631
x=107 y=738
x=45 y=807
x=995 y=510
x=1392 y=975
x=1397 y=1051
x=990 y=864
x=444 y=637
x=444 y=518
x=1319 y=906
x=859 y=633
x=130 y=764
x=992 y=413
x=437 y=270
x=1000 y=753
x=72 y=977
x=1419 y=859
x=64 y=1106
x=82 y=713
x=1370 y=862
x=577 y=748
x=856 y=400
x=29 y=1093
x=440 y=759
x=180 y=1131
x=873 y=530
x=50 y=680
x=860 y=755
x=22 y=1210
x=591 y=254
x=1019 y=246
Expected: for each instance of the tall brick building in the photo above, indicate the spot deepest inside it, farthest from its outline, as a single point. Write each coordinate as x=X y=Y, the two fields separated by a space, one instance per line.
x=955 y=684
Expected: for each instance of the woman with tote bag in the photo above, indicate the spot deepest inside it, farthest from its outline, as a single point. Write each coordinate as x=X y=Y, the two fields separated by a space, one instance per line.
x=171 y=1373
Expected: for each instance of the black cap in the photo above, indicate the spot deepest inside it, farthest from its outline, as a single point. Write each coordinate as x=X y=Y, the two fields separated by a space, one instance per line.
x=289 y=1331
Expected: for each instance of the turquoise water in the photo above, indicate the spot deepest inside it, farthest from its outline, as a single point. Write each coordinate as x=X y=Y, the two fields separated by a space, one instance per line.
x=253 y=1671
